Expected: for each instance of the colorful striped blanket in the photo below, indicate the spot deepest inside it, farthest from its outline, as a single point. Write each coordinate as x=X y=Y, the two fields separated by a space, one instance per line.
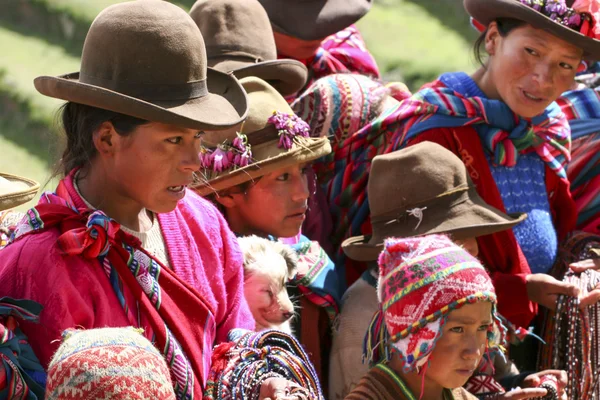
x=582 y=108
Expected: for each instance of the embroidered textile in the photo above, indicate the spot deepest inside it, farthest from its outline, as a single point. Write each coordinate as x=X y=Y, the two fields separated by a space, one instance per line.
x=321 y=284
x=348 y=109
x=21 y=374
x=582 y=108
x=342 y=52
x=93 y=235
x=503 y=133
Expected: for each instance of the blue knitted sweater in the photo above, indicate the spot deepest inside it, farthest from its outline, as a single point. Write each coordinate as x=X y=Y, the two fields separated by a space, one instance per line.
x=523 y=189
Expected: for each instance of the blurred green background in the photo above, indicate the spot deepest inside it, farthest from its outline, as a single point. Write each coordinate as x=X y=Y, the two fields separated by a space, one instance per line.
x=412 y=40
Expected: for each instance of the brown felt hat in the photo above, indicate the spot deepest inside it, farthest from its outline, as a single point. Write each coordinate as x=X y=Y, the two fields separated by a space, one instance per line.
x=486 y=11
x=147 y=59
x=314 y=19
x=267 y=155
x=239 y=39
x=422 y=190
x=16 y=190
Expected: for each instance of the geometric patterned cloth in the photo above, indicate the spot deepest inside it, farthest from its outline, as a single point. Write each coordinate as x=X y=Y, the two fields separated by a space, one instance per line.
x=422 y=280
x=108 y=363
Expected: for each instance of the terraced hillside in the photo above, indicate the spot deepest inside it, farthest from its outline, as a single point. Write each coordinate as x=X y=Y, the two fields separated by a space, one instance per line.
x=412 y=40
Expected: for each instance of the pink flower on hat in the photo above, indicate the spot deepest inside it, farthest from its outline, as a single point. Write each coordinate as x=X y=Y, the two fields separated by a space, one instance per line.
x=222 y=159
x=289 y=126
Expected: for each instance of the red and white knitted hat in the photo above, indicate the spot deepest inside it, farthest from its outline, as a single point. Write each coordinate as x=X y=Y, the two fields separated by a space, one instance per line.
x=115 y=363
x=421 y=280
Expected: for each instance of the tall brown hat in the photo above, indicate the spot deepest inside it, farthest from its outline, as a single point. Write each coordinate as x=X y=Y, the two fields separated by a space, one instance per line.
x=422 y=190
x=272 y=138
x=147 y=59
x=575 y=26
x=16 y=190
x=239 y=39
x=314 y=19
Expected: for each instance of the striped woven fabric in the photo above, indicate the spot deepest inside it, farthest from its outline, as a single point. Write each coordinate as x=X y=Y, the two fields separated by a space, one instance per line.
x=582 y=108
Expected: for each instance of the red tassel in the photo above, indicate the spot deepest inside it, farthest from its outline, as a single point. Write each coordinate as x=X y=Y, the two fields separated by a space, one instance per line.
x=219 y=357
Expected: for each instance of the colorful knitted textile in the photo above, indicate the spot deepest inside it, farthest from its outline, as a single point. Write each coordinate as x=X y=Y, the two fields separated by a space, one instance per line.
x=322 y=283
x=349 y=110
x=582 y=108
x=342 y=52
x=240 y=366
x=421 y=280
x=8 y=222
x=160 y=295
x=21 y=374
x=115 y=363
x=523 y=189
x=504 y=134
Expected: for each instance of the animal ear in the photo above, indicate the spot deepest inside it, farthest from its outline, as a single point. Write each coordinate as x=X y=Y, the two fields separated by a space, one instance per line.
x=291 y=259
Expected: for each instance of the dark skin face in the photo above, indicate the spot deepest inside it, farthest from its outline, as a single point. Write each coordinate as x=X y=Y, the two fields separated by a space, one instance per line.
x=275 y=205
x=528 y=69
x=147 y=170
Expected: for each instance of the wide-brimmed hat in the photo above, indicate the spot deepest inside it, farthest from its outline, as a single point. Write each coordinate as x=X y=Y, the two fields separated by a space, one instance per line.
x=239 y=39
x=421 y=190
x=147 y=59
x=16 y=190
x=271 y=138
x=554 y=16
x=314 y=19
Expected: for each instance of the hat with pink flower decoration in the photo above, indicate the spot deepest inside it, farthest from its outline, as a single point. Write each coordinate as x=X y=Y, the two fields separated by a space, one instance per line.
x=574 y=21
x=422 y=280
x=271 y=138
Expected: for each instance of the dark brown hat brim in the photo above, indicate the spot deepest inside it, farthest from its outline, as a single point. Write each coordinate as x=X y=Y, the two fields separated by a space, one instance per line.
x=486 y=11
x=472 y=218
x=314 y=19
x=224 y=106
x=286 y=76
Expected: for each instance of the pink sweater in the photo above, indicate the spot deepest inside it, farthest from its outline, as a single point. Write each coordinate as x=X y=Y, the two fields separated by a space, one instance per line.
x=76 y=292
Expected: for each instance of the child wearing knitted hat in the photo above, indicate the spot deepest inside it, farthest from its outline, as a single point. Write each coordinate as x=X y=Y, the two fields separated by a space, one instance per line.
x=438 y=310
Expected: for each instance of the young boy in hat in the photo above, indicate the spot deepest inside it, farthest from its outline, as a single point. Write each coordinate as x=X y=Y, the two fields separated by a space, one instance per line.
x=437 y=306
x=322 y=36
x=259 y=182
x=409 y=196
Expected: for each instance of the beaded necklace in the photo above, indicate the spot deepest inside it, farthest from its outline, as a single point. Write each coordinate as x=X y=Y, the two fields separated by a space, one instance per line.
x=572 y=337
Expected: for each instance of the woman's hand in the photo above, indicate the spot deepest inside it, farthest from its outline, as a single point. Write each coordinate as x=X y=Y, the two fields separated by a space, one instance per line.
x=545 y=289
x=531 y=390
x=593 y=296
x=277 y=389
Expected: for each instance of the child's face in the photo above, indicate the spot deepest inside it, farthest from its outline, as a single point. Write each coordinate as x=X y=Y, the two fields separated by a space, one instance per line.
x=276 y=205
x=460 y=348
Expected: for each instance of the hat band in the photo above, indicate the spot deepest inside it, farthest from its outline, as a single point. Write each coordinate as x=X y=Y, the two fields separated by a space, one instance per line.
x=448 y=199
x=213 y=52
x=151 y=91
